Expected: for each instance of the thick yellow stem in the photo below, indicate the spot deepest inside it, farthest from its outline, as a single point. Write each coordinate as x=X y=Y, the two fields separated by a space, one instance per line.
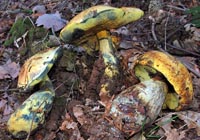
x=111 y=64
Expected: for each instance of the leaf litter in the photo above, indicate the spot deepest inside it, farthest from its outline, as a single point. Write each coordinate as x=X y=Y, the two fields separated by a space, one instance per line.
x=190 y=120
x=85 y=121
x=9 y=70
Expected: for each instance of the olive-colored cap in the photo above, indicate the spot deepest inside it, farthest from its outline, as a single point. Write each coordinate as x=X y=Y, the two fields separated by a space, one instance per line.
x=31 y=114
x=95 y=19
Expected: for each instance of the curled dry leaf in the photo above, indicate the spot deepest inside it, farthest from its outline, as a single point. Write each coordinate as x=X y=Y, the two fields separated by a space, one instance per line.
x=8 y=110
x=2 y=104
x=79 y=114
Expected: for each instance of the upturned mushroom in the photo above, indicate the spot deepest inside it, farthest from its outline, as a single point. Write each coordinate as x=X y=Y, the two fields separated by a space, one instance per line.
x=96 y=22
x=175 y=73
x=31 y=114
x=140 y=104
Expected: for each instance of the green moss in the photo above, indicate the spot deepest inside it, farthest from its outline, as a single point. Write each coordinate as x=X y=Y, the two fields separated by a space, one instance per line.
x=35 y=41
x=18 y=29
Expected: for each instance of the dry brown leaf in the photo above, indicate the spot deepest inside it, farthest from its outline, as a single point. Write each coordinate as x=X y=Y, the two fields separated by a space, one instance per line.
x=9 y=70
x=2 y=104
x=191 y=118
x=71 y=127
x=68 y=123
x=170 y=132
x=8 y=110
x=79 y=114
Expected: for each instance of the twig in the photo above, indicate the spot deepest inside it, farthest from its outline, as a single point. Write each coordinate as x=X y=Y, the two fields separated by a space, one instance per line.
x=41 y=41
x=166 y=23
x=183 y=50
x=13 y=90
x=177 y=8
x=61 y=84
x=27 y=17
x=154 y=34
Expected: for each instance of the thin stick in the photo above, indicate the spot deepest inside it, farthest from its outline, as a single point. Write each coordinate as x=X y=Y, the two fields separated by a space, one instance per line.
x=177 y=8
x=154 y=34
x=13 y=90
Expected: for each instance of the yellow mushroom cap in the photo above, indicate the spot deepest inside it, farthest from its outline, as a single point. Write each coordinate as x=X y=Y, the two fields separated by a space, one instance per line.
x=98 y=18
x=36 y=68
x=31 y=114
x=174 y=71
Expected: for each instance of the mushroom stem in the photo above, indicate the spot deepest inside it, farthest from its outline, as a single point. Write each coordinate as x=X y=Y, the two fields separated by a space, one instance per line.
x=47 y=85
x=111 y=63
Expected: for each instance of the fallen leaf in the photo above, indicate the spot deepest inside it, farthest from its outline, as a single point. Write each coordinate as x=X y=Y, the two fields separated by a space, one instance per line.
x=38 y=10
x=8 y=110
x=170 y=132
x=68 y=123
x=2 y=104
x=192 y=119
x=79 y=114
x=3 y=73
x=53 y=21
x=71 y=127
x=9 y=70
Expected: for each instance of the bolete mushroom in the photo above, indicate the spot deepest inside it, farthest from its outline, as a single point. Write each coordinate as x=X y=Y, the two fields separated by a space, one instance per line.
x=36 y=68
x=97 y=21
x=140 y=104
x=31 y=114
x=175 y=73
x=137 y=106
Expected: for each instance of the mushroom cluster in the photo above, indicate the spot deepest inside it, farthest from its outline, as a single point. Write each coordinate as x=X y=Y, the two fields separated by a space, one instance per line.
x=134 y=107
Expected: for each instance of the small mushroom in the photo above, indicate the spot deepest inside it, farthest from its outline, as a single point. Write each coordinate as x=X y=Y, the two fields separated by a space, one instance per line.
x=36 y=68
x=31 y=114
x=175 y=73
x=97 y=21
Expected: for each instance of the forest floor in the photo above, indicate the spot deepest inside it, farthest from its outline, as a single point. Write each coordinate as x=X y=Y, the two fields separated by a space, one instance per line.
x=77 y=113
